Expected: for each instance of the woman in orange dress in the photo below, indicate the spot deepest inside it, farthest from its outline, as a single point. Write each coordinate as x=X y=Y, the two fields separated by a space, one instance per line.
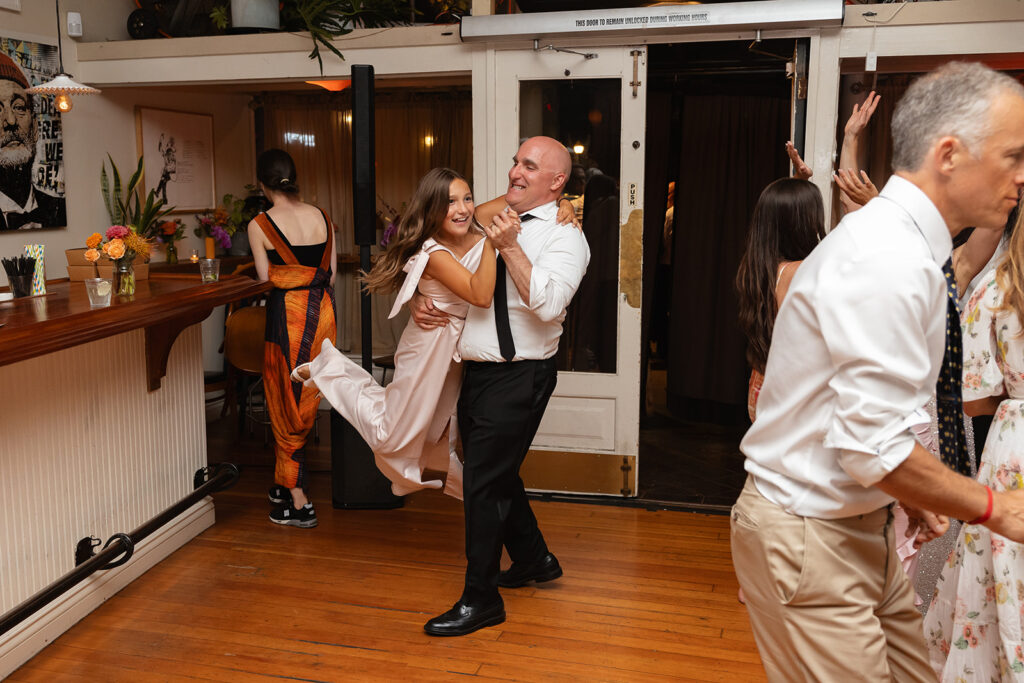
x=293 y=247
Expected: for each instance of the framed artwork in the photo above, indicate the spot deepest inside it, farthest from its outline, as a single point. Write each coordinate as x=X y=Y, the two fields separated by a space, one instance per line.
x=177 y=148
x=32 y=145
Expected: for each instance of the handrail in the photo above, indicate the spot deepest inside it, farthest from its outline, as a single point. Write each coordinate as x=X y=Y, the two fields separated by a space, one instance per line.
x=224 y=475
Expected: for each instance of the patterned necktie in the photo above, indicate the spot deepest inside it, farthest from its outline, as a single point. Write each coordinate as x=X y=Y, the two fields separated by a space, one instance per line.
x=506 y=344
x=948 y=395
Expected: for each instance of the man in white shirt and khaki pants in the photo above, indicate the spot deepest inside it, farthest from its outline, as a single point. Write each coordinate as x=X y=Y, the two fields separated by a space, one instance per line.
x=508 y=350
x=856 y=349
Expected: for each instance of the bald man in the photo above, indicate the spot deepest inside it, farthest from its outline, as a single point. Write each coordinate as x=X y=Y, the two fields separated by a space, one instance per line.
x=508 y=352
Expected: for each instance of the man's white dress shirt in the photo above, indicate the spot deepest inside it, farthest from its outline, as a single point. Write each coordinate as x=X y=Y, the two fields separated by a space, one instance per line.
x=856 y=350
x=559 y=254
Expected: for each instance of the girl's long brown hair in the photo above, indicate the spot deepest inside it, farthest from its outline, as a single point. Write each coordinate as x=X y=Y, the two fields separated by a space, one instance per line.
x=427 y=211
x=1010 y=271
x=788 y=222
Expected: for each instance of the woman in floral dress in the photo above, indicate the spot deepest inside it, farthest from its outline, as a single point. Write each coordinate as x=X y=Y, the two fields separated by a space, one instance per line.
x=975 y=623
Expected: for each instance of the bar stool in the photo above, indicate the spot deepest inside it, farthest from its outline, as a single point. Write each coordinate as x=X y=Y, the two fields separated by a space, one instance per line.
x=243 y=350
x=385 y=363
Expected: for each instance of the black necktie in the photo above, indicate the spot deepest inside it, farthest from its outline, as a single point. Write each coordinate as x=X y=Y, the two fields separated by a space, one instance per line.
x=506 y=344
x=948 y=393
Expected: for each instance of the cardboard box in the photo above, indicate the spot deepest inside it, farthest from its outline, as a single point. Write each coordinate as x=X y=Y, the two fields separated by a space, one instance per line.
x=76 y=257
x=78 y=272
x=79 y=268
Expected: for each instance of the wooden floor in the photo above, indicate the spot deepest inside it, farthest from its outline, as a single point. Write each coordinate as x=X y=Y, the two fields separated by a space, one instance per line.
x=646 y=596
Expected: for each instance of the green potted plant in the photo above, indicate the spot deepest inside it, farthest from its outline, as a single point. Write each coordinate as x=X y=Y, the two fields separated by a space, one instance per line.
x=125 y=204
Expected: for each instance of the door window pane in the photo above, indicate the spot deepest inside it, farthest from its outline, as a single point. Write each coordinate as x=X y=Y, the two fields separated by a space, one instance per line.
x=584 y=115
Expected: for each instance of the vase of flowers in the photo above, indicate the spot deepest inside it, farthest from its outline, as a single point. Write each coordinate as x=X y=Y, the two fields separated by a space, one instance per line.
x=169 y=232
x=122 y=245
x=216 y=228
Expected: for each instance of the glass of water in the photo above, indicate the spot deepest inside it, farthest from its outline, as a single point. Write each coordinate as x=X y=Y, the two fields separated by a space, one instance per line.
x=98 y=289
x=209 y=269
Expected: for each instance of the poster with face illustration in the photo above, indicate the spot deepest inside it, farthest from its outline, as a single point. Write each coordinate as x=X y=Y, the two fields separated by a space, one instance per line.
x=31 y=145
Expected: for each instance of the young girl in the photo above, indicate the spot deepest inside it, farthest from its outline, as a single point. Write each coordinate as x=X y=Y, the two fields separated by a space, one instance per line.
x=410 y=424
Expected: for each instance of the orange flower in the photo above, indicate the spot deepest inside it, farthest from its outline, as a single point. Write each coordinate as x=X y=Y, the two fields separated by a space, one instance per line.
x=168 y=227
x=92 y=255
x=94 y=240
x=115 y=249
x=105 y=247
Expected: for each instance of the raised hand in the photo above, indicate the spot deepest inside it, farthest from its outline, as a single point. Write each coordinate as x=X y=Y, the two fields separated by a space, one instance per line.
x=861 y=115
x=566 y=213
x=800 y=168
x=504 y=230
x=859 y=189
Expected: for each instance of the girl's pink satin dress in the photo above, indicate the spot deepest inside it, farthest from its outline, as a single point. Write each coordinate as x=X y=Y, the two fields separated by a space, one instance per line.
x=410 y=425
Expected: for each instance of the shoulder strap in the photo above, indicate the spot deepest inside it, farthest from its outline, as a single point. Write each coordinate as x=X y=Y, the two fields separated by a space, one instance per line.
x=325 y=260
x=272 y=233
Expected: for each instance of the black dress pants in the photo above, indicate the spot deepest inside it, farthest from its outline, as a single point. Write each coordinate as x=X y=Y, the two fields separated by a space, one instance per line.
x=500 y=408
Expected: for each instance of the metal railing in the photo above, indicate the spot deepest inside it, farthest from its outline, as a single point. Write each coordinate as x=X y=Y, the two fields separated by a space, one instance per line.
x=120 y=547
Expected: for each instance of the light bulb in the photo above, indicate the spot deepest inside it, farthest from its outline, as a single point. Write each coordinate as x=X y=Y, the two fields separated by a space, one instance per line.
x=577 y=148
x=63 y=103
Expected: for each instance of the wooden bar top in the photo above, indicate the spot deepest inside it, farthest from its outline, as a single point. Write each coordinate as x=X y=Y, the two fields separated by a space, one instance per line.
x=163 y=305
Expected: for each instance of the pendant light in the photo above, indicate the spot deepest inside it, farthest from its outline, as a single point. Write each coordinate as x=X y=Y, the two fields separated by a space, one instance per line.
x=62 y=86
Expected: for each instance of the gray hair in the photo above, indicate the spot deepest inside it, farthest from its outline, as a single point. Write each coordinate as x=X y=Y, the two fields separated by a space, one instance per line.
x=955 y=100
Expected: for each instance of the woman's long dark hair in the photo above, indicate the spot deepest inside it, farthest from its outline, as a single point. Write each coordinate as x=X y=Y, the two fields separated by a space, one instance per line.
x=788 y=222
x=427 y=211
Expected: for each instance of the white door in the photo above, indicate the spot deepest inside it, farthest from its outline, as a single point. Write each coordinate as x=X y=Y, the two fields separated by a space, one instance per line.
x=594 y=103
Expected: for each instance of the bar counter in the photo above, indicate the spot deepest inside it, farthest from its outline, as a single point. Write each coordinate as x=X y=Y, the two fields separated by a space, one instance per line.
x=102 y=427
x=164 y=305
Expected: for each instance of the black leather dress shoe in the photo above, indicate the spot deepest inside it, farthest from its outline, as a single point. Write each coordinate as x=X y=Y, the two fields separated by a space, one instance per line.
x=465 y=618
x=521 y=573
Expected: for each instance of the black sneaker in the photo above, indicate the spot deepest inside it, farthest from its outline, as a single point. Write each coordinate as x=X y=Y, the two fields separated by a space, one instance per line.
x=279 y=495
x=303 y=517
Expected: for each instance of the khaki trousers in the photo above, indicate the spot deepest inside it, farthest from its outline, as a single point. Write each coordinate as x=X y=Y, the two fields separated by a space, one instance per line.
x=828 y=600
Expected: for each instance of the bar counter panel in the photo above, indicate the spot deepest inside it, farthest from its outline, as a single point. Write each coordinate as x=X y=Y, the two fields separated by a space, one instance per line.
x=164 y=305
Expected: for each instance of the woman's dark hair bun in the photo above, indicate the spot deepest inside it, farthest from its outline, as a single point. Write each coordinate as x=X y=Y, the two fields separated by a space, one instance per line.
x=276 y=169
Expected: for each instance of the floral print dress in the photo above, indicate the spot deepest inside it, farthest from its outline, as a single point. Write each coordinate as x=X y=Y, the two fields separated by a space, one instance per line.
x=975 y=622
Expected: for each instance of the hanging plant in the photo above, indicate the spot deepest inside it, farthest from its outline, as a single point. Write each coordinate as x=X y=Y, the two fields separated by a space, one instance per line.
x=329 y=19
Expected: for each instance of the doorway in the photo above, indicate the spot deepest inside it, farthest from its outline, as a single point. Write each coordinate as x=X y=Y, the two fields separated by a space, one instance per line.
x=718 y=117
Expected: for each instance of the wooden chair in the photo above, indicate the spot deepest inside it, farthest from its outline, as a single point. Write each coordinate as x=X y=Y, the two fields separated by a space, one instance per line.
x=244 y=333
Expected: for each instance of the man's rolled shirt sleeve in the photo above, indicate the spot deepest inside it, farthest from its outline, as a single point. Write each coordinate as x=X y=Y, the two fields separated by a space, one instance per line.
x=557 y=273
x=874 y=314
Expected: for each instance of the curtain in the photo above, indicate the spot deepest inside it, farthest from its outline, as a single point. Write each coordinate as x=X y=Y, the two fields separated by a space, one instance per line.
x=732 y=145
x=415 y=131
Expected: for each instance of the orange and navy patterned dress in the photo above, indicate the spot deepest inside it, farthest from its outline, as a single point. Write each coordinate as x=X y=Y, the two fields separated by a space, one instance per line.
x=300 y=316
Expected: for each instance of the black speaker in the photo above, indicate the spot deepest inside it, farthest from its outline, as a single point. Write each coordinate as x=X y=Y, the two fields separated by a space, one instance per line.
x=364 y=186
x=356 y=483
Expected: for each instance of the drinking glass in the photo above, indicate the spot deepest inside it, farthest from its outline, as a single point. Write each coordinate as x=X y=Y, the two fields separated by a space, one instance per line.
x=193 y=256
x=98 y=289
x=209 y=269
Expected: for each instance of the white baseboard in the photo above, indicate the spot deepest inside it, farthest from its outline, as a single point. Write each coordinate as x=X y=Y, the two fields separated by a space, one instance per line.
x=46 y=625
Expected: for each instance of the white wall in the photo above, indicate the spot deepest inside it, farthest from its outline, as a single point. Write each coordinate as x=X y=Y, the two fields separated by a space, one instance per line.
x=102 y=124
